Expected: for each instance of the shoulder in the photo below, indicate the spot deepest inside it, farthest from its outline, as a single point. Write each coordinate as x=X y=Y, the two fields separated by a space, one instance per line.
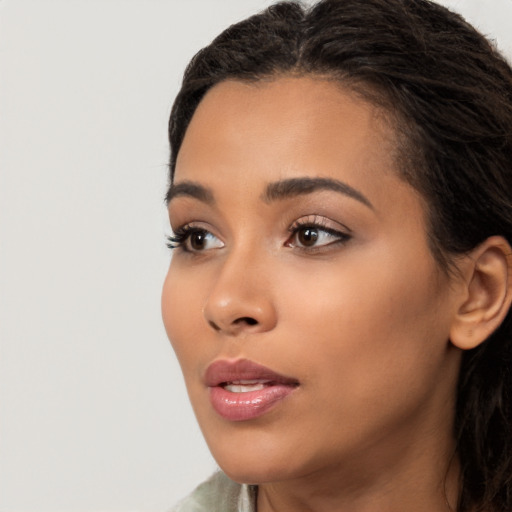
x=219 y=494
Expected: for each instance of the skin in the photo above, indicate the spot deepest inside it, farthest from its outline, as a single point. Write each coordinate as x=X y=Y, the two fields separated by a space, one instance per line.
x=362 y=321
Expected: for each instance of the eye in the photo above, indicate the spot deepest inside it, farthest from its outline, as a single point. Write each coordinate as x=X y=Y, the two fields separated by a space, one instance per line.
x=308 y=236
x=193 y=239
x=315 y=235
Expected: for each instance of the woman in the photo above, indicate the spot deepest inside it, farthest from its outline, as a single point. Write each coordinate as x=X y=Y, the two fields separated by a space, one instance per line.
x=339 y=292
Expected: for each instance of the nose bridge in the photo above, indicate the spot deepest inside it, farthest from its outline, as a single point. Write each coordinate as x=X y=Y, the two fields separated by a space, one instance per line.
x=240 y=300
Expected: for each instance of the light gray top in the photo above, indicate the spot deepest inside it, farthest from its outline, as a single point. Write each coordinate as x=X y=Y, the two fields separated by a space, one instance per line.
x=219 y=494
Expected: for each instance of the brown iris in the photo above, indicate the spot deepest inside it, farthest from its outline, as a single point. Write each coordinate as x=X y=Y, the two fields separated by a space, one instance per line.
x=198 y=240
x=307 y=236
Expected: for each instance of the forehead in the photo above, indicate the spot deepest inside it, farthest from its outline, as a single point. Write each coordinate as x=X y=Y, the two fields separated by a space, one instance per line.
x=283 y=128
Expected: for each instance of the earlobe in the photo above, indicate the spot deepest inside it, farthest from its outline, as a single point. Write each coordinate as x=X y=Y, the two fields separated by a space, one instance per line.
x=487 y=274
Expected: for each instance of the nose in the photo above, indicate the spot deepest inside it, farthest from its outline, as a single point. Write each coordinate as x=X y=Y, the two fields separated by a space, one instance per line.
x=240 y=301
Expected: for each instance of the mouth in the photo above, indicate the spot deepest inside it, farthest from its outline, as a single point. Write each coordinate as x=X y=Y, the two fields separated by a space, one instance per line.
x=245 y=386
x=242 y=390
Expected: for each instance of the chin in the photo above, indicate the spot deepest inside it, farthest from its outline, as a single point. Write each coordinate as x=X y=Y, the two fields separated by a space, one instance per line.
x=255 y=456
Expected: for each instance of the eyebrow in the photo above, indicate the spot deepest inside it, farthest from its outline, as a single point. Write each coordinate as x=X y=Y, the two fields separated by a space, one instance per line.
x=189 y=189
x=292 y=187
x=275 y=191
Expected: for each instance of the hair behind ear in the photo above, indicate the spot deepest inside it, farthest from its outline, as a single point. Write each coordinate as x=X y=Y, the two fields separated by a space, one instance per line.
x=483 y=330
x=483 y=418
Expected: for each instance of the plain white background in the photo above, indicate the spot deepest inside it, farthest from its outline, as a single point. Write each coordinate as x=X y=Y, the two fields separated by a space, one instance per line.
x=93 y=411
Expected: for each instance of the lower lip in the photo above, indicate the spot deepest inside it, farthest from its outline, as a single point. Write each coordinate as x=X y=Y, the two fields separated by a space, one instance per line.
x=247 y=406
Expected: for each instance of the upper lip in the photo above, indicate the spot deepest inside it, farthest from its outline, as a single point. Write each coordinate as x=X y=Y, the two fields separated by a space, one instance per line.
x=224 y=371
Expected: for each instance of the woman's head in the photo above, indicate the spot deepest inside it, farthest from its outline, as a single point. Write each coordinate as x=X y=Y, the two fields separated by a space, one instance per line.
x=419 y=91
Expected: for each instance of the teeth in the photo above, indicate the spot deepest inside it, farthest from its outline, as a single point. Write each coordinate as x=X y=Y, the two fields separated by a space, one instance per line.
x=244 y=386
x=236 y=388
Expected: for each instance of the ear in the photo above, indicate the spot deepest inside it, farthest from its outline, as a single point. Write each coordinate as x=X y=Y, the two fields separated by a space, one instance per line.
x=487 y=275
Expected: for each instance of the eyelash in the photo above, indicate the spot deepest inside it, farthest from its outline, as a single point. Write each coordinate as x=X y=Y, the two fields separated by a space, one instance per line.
x=178 y=240
x=317 y=224
x=181 y=235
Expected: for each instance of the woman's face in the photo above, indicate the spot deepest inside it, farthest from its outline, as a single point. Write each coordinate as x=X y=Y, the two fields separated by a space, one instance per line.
x=304 y=305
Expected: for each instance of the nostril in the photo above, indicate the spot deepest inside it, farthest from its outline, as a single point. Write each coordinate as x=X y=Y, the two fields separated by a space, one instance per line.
x=213 y=325
x=246 y=320
x=239 y=322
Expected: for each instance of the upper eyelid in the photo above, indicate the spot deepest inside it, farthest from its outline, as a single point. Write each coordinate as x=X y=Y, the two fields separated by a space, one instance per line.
x=200 y=225
x=320 y=221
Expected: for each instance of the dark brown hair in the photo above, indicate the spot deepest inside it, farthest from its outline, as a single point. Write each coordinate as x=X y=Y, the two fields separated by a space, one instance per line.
x=449 y=93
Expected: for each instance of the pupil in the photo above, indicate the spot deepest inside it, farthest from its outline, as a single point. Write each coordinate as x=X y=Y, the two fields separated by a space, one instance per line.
x=308 y=236
x=197 y=240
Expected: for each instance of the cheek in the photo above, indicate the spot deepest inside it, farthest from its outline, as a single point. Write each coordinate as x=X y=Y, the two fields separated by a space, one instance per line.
x=181 y=313
x=369 y=327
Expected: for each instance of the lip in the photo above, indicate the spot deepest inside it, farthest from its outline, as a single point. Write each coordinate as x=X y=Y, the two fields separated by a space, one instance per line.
x=244 y=406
